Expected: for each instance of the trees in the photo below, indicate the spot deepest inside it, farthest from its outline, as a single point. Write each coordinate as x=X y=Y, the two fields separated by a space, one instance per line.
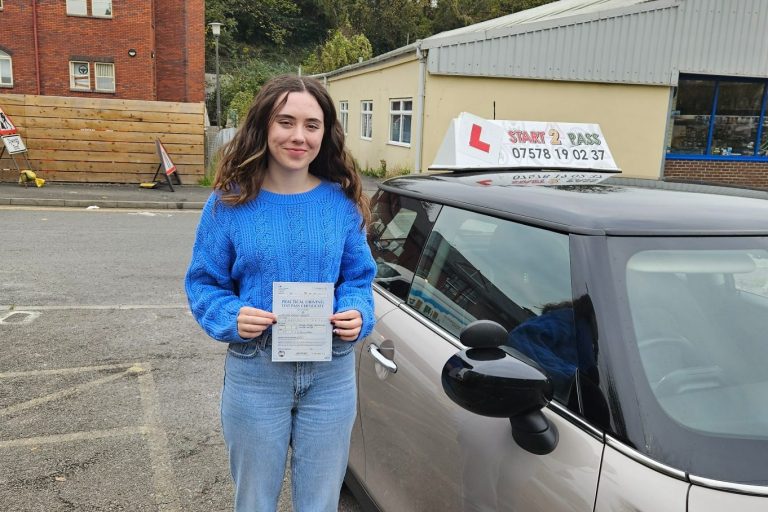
x=338 y=51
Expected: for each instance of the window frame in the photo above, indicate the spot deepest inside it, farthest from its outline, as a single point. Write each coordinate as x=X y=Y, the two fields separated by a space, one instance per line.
x=344 y=115
x=107 y=16
x=89 y=9
x=72 y=79
x=96 y=77
x=717 y=80
x=400 y=113
x=69 y=13
x=366 y=113
x=6 y=56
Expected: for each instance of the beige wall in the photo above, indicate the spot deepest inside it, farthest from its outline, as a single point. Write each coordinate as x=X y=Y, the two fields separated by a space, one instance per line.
x=396 y=79
x=632 y=117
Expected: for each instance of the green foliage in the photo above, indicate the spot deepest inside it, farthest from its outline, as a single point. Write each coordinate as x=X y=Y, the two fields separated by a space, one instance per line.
x=338 y=51
x=244 y=80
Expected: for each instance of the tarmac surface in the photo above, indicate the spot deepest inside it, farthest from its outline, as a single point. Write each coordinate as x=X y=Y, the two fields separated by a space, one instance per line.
x=84 y=195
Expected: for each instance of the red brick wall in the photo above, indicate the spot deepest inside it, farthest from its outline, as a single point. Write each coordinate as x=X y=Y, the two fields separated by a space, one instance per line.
x=17 y=40
x=742 y=174
x=173 y=29
x=179 y=39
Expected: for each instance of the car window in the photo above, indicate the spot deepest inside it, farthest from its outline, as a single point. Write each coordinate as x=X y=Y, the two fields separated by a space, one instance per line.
x=399 y=228
x=696 y=350
x=480 y=267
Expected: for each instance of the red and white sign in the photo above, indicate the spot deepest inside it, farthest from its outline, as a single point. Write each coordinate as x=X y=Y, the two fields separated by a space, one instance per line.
x=6 y=125
x=476 y=143
x=168 y=164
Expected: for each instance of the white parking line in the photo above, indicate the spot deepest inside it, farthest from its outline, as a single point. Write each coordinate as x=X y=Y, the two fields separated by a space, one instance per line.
x=14 y=308
x=11 y=409
x=74 y=436
x=166 y=496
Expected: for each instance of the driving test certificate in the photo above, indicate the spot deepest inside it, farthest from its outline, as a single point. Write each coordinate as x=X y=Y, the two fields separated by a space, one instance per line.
x=303 y=331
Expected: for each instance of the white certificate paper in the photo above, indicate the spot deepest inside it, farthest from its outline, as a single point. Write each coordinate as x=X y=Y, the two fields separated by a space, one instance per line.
x=303 y=331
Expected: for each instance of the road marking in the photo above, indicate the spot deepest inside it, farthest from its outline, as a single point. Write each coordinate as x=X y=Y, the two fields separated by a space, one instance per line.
x=166 y=496
x=64 y=371
x=26 y=317
x=12 y=409
x=126 y=307
x=74 y=436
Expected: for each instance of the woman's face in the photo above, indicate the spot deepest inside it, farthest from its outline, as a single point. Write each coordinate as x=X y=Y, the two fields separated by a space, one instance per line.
x=296 y=133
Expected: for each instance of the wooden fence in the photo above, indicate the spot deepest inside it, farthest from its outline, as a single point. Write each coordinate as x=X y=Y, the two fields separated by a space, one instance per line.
x=105 y=140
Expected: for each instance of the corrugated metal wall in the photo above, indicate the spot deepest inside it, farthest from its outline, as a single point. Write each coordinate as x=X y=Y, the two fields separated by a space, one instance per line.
x=647 y=43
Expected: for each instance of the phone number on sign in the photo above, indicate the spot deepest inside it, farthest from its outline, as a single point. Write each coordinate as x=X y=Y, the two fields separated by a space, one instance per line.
x=558 y=153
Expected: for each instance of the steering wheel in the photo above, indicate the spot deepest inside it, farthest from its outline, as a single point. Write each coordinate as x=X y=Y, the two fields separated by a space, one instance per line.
x=664 y=354
x=686 y=380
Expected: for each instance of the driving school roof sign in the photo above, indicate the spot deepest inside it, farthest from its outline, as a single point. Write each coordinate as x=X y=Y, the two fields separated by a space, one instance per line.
x=476 y=143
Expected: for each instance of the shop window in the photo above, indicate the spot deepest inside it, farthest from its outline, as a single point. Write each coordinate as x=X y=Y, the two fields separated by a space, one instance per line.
x=105 y=76
x=719 y=118
x=400 y=114
x=344 y=115
x=6 y=69
x=79 y=76
x=366 y=119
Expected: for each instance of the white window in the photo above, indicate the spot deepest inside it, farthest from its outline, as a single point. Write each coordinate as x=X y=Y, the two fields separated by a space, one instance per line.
x=6 y=69
x=400 y=115
x=344 y=115
x=101 y=9
x=366 y=119
x=80 y=76
x=77 y=7
x=1 y=5
x=105 y=76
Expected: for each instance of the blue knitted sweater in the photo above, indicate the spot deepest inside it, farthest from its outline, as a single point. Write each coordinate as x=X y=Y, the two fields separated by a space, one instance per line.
x=240 y=251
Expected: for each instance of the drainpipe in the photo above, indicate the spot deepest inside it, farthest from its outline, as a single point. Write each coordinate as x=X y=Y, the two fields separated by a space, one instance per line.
x=37 y=50
x=419 y=128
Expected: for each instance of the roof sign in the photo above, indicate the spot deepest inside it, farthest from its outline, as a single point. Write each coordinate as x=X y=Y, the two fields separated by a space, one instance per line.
x=474 y=143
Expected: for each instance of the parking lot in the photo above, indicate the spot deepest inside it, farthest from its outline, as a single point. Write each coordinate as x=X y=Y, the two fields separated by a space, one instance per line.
x=109 y=391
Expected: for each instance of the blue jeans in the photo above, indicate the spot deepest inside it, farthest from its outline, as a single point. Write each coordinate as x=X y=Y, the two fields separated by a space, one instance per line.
x=265 y=406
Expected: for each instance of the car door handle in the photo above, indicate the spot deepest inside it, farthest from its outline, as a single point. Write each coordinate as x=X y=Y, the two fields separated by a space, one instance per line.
x=383 y=361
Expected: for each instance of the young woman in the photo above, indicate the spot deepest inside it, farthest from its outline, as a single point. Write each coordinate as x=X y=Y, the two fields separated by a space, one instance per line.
x=287 y=207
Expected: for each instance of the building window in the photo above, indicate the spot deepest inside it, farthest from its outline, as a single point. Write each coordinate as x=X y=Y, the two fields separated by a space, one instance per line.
x=719 y=117
x=77 y=7
x=400 y=114
x=6 y=70
x=366 y=119
x=344 y=115
x=80 y=76
x=105 y=76
x=99 y=8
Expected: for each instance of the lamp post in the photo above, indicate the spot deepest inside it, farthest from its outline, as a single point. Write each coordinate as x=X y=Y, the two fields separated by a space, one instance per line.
x=216 y=31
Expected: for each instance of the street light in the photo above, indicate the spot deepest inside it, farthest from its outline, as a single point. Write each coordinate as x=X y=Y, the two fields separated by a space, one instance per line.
x=216 y=31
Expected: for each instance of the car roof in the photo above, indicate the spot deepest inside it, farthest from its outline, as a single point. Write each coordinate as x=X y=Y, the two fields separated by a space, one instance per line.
x=591 y=209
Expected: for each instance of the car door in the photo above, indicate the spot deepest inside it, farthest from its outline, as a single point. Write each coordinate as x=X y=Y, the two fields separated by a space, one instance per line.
x=423 y=452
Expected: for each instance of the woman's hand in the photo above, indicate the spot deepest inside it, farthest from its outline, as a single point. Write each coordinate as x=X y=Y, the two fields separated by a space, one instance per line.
x=347 y=324
x=252 y=321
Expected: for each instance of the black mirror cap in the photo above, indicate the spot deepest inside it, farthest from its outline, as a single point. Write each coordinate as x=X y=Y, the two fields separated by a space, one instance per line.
x=482 y=334
x=490 y=382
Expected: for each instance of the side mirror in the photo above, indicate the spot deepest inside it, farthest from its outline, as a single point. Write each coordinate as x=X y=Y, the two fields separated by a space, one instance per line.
x=488 y=381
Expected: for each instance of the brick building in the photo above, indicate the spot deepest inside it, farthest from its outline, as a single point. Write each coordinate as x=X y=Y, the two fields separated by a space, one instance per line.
x=120 y=49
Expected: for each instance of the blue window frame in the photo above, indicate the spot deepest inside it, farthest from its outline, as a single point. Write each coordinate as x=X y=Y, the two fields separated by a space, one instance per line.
x=719 y=118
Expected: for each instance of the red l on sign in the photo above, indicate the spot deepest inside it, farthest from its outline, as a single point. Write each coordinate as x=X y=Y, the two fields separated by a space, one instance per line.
x=474 y=139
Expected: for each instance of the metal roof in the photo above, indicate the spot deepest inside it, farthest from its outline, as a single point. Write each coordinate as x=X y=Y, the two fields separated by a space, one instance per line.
x=592 y=209
x=624 y=41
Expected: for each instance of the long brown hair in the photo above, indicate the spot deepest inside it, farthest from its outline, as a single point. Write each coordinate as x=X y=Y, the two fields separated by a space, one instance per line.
x=243 y=164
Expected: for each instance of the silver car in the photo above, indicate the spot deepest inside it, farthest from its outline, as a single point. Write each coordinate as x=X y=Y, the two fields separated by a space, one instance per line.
x=566 y=348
